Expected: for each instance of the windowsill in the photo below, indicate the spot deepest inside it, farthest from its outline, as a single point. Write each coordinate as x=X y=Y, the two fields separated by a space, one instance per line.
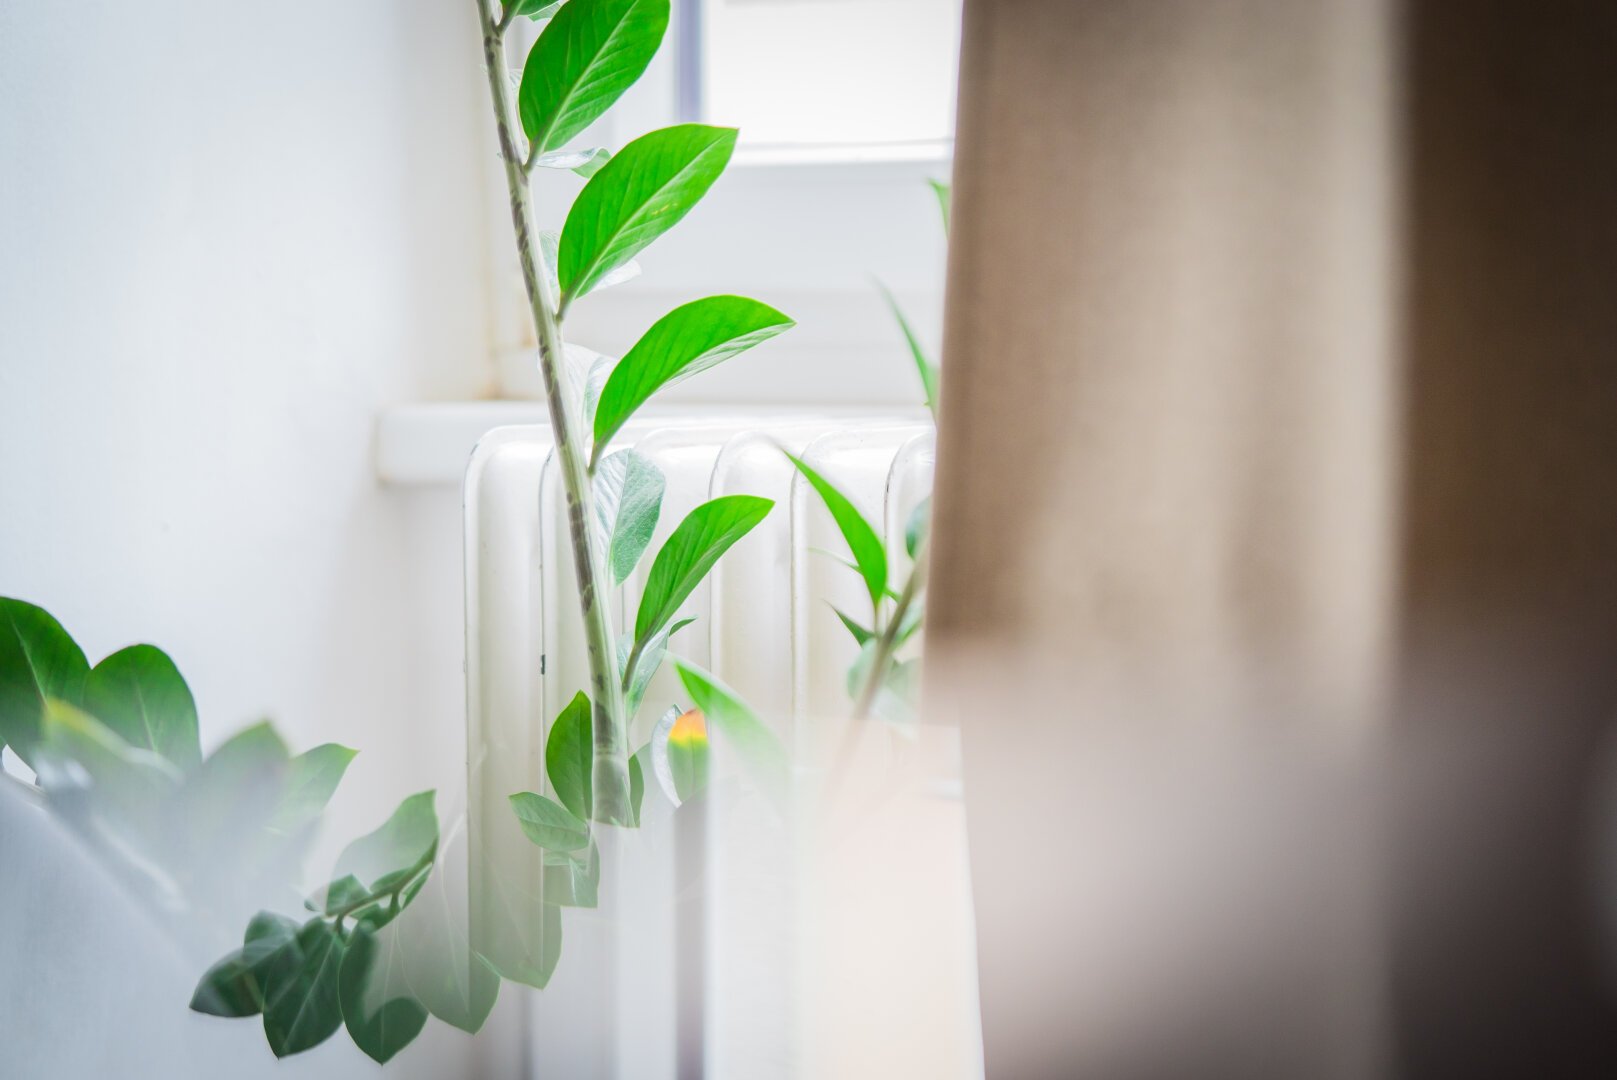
x=429 y=445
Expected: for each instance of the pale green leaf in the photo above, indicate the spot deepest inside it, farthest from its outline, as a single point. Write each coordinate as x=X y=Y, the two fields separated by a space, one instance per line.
x=549 y=824
x=941 y=190
x=380 y=1019
x=924 y=367
x=311 y=780
x=585 y=163
x=636 y=684
x=401 y=847
x=628 y=501
x=915 y=530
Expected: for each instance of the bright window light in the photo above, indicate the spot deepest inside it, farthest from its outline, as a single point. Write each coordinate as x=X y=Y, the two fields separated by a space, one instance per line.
x=827 y=75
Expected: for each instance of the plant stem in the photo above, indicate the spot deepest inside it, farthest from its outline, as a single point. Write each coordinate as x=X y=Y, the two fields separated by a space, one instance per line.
x=887 y=639
x=611 y=769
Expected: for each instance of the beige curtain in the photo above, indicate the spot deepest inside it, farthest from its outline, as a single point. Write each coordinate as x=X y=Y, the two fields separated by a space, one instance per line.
x=1281 y=397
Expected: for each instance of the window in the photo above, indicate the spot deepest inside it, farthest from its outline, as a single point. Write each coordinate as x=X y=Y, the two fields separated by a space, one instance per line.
x=825 y=79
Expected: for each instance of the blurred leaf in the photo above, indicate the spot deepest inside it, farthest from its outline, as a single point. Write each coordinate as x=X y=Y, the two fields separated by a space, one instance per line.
x=628 y=501
x=38 y=660
x=688 y=752
x=594 y=382
x=140 y=695
x=131 y=791
x=301 y=993
x=941 y=190
x=380 y=1020
x=342 y=893
x=689 y=553
x=737 y=726
x=868 y=553
x=549 y=254
x=645 y=669
x=585 y=163
x=842 y=560
x=311 y=779
x=401 y=847
x=589 y=54
x=573 y=879
x=570 y=757
x=687 y=341
x=549 y=824
x=442 y=971
x=925 y=368
x=637 y=783
x=860 y=634
x=645 y=190
x=233 y=987
x=920 y=522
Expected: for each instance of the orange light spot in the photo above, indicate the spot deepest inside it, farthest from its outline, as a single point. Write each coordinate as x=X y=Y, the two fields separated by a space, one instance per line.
x=689 y=728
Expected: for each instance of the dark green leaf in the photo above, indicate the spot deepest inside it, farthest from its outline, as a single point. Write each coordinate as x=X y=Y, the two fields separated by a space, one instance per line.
x=549 y=824
x=570 y=757
x=301 y=994
x=140 y=694
x=233 y=987
x=925 y=368
x=592 y=51
x=941 y=190
x=736 y=726
x=640 y=194
x=585 y=163
x=311 y=780
x=860 y=633
x=689 y=553
x=685 y=342
x=381 y=1020
x=866 y=545
x=628 y=501
x=38 y=660
x=573 y=879
x=406 y=842
x=916 y=528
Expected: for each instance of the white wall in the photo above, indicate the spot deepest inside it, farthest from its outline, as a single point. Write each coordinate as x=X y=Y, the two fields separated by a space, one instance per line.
x=229 y=235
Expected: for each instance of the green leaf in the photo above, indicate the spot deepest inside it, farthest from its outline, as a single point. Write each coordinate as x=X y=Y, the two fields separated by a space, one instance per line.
x=688 y=754
x=570 y=757
x=380 y=1020
x=592 y=51
x=645 y=669
x=640 y=194
x=302 y=1008
x=689 y=553
x=38 y=660
x=549 y=254
x=585 y=163
x=920 y=522
x=736 y=726
x=141 y=695
x=941 y=190
x=628 y=501
x=549 y=824
x=860 y=633
x=403 y=845
x=925 y=368
x=868 y=553
x=573 y=879
x=685 y=342
x=233 y=987
x=311 y=780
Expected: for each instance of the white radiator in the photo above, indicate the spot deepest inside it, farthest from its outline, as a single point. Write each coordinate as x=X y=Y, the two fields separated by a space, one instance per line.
x=656 y=984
